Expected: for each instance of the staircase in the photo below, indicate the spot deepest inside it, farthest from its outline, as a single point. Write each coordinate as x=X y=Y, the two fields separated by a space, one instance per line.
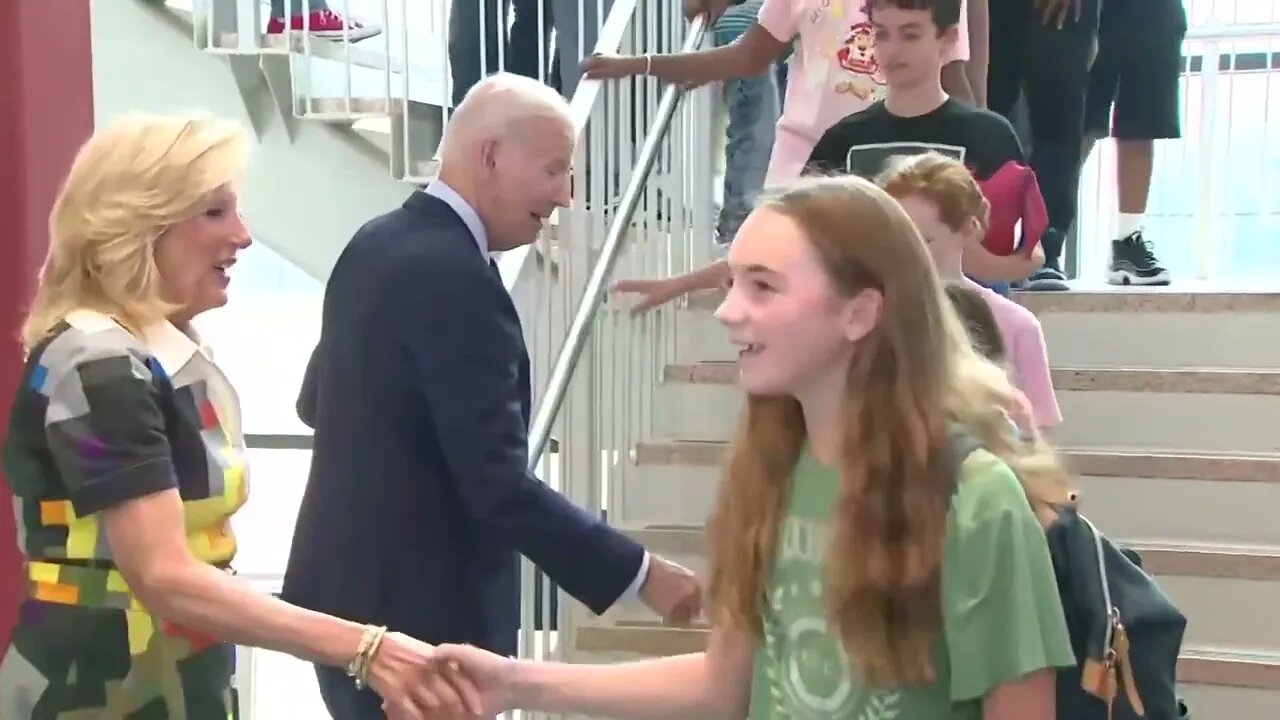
x=1170 y=427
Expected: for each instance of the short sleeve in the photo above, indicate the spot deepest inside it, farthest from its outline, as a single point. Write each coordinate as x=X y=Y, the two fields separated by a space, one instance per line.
x=103 y=421
x=778 y=17
x=1001 y=611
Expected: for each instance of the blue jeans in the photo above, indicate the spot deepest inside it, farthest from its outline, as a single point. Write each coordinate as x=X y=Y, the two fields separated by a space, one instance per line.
x=753 y=114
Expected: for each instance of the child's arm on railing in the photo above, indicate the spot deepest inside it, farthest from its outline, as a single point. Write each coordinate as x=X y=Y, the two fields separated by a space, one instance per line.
x=660 y=291
x=748 y=56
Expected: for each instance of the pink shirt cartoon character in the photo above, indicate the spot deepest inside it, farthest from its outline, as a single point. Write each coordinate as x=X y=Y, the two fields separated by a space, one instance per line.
x=858 y=56
x=833 y=72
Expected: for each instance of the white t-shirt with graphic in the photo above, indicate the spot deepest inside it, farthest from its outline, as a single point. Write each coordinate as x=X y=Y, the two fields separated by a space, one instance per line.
x=833 y=72
x=1002 y=617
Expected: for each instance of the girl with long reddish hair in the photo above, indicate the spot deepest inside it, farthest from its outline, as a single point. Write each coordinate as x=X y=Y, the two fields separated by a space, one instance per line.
x=857 y=573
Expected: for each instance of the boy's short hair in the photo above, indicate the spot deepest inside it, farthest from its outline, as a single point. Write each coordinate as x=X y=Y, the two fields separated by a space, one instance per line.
x=945 y=13
x=978 y=319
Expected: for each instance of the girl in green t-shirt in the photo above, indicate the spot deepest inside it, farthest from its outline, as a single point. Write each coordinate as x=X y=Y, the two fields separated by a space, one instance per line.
x=856 y=574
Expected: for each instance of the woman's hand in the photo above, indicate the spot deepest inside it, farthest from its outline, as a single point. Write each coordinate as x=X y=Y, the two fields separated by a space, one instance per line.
x=604 y=67
x=415 y=682
x=492 y=676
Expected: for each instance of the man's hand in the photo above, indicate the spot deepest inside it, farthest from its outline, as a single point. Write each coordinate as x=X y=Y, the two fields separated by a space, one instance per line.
x=713 y=9
x=1055 y=12
x=671 y=591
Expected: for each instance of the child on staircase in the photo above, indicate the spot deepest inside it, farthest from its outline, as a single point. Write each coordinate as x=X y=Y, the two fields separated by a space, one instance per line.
x=948 y=207
x=832 y=73
x=856 y=572
x=922 y=35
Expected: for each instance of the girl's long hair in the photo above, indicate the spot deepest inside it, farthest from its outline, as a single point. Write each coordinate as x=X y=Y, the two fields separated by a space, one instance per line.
x=911 y=376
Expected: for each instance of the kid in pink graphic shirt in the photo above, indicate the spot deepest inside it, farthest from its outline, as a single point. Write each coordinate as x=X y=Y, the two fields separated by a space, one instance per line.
x=832 y=73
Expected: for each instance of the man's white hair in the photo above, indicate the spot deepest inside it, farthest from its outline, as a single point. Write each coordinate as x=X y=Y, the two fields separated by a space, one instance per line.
x=497 y=105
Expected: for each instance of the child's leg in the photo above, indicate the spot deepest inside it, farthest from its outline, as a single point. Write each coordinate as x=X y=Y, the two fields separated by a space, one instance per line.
x=753 y=113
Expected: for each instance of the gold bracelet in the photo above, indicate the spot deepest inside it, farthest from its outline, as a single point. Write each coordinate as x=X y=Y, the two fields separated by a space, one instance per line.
x=359 y=667
x=371 y=654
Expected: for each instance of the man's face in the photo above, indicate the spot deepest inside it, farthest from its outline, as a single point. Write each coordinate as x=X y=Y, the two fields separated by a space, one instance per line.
x=908 y=45
x=525 y=179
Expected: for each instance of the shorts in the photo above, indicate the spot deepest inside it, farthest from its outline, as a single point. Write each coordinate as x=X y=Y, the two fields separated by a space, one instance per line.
x=1133 y=86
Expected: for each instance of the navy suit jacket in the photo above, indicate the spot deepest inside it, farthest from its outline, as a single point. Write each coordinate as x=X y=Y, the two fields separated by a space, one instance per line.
x=418 y=500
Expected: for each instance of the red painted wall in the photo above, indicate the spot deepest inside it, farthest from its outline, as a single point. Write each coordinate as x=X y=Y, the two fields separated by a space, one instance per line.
x=46 y=113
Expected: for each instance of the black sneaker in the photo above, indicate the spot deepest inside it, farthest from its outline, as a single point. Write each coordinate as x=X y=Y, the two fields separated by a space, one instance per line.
x=1133 y=263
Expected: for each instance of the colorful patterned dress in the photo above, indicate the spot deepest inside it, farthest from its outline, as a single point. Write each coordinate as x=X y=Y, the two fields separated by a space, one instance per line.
x=103 y=417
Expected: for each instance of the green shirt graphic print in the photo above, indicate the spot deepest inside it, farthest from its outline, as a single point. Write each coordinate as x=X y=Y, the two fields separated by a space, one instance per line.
x=1001 y=614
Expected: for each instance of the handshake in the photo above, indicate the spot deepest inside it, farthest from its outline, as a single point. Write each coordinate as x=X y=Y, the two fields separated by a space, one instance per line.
x=418 y=681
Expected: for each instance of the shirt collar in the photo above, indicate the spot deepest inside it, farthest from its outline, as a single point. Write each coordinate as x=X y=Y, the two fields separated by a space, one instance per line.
x=172 y=347
x=438 y=189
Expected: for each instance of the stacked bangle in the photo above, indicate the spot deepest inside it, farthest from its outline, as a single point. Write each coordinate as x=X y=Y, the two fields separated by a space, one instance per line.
x=369 y=642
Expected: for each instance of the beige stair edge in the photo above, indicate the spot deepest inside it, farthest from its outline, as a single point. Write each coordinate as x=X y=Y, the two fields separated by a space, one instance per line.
x=1159 y=558
x=1181 y=380
x=1201 y=667
x=1095 y=463
x=1138 y=300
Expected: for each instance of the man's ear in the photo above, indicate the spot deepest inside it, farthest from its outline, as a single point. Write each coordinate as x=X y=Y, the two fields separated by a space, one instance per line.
x=489 y=155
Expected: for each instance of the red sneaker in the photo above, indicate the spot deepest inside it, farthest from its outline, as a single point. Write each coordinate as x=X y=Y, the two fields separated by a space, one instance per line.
x=325 y=24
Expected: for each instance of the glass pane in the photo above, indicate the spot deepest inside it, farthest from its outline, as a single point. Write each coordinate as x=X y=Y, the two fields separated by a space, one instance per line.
x=263 y=337
x=264 y=526
x=279 y=686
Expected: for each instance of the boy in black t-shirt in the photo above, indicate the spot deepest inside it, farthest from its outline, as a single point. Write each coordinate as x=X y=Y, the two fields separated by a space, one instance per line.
x=917 y=116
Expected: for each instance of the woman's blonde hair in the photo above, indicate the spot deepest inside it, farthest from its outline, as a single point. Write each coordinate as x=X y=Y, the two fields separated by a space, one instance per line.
x=911 y=378
x=129 y=183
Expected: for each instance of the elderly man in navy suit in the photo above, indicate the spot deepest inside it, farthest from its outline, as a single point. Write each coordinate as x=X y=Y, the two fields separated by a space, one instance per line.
x=418 y=500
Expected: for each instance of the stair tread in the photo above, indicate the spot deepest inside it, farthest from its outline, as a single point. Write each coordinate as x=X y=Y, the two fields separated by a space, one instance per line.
x=1071 y=451
x=1184 y=380
x=1189 y=296
x=1267 y=551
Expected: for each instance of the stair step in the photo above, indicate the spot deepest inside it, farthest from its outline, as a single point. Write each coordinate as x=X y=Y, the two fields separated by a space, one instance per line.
x=1101 y=407
x=1207 y=380
x=1103 y=463
x=1159 y=558
x=1231 y=330
x=1107 y=299
x=361 y=55
x=1200 y=666
x=1216 y=499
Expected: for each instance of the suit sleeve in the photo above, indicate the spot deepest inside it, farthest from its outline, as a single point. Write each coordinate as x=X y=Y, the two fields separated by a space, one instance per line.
x=465 y=354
